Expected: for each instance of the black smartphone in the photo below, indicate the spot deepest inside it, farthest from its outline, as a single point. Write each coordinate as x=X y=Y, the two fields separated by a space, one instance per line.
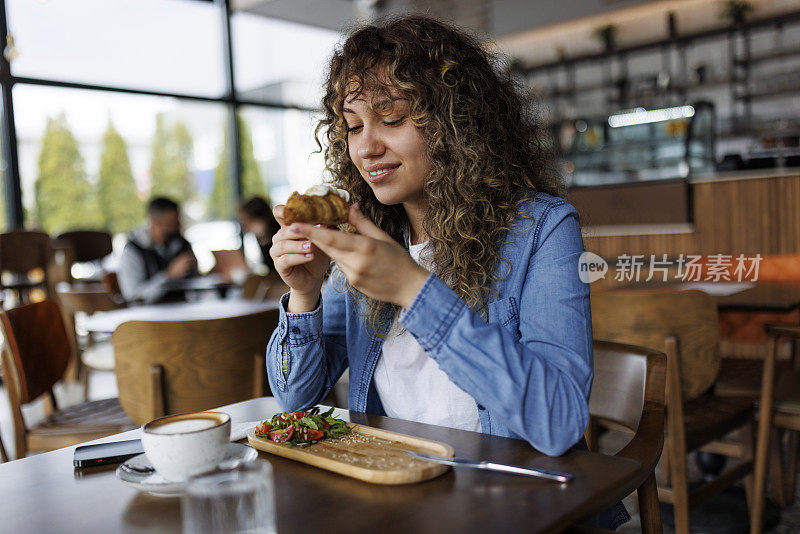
x=106 y=453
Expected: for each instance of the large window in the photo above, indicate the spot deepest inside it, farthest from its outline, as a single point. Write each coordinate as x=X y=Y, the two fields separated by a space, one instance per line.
x=280 y=62
x=3 y=177
x=116 y=101
x=91 y=159
x=283 y=149
x=161 y=45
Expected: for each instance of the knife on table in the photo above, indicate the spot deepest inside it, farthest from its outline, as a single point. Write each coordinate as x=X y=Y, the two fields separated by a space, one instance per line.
x=492 y=466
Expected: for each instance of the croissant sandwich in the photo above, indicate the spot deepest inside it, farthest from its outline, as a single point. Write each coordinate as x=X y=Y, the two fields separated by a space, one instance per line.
x=321 y=204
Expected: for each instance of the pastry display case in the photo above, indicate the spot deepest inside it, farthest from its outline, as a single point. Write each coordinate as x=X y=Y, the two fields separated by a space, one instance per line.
x=639 y=145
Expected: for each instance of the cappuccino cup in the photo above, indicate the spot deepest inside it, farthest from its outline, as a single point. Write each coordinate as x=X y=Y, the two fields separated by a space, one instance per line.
x=181 y=446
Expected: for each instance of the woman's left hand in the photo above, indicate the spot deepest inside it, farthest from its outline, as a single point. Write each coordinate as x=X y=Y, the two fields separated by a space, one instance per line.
x=373 y=262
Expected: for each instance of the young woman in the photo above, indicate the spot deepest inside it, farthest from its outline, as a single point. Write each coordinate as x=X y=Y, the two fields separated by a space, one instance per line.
x=456 y=300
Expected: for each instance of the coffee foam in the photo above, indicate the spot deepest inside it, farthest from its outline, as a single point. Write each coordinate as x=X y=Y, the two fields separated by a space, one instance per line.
x=185 y=425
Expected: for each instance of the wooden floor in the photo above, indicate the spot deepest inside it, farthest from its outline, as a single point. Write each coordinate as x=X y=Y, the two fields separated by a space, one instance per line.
x=725 y=513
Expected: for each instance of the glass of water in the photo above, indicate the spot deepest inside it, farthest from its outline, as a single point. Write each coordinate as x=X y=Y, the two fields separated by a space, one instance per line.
x=240 y=500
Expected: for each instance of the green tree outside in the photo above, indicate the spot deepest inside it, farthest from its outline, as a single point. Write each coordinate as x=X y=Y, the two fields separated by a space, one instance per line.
x=64 y=196
x=120 y=206
x=170 y=169
x=221 y=201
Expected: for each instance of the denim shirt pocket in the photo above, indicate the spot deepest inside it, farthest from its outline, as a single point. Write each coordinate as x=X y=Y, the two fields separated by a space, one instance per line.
x=505 y=312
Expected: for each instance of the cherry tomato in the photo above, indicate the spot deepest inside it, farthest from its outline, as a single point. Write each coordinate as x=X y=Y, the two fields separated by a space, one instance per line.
x=298 y=415
x=309 y=434
x=281 y=436
x=263 y=428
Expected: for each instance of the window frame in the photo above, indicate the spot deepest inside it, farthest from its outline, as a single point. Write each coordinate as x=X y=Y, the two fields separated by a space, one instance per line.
x=11 y=178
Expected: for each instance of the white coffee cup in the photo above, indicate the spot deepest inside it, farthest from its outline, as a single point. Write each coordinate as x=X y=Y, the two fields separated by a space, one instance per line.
x=181 y=446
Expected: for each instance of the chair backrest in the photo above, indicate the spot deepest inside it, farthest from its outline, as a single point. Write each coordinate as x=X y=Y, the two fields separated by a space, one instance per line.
x=88 y=245
x=254 y=287
x=226 y=262
x=87 y=300
x=277 y=287
x=202 y=364
x=629 y=390
x=648 y=318
x=624 y=379
x=261 y=287
x=38 y=347
x=24 y=250
x=111 y=283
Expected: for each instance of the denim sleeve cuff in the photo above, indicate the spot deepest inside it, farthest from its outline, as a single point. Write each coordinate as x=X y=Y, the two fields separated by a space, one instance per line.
x=300 y=328
x=432 y=313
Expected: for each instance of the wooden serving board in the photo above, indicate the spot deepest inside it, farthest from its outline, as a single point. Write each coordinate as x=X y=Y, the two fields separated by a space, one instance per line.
x=367 y=453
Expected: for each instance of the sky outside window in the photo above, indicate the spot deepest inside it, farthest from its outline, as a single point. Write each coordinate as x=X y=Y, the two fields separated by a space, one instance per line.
x=159 y=45
x=280 y=62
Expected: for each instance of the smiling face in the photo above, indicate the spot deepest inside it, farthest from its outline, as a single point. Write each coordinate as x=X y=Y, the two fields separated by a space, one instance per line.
x=387 y=148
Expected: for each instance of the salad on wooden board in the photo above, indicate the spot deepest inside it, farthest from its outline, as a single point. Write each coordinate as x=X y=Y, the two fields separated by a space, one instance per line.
x=302 y=428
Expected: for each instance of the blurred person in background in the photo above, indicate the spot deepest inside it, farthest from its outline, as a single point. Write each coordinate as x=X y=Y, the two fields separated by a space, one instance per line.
x=255 y=217
x=155 y=255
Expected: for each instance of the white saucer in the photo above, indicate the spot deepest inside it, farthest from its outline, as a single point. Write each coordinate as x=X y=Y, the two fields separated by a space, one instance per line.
x=155 y=484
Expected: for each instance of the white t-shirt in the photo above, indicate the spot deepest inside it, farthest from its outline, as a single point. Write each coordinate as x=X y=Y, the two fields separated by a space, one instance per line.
x=412 y=387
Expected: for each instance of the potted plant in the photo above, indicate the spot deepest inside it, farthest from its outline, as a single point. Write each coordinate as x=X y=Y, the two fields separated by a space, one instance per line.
x=607 y=35
x=736 y=11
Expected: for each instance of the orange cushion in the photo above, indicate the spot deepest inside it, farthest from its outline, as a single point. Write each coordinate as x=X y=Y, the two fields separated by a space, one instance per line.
x=749 y=327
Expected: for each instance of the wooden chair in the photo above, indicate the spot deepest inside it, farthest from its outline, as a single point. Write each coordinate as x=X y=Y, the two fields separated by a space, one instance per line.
x=779 y=414
x=263 y=287
x=168 y=367
x=111 y=285
x=92 y=354
x=628 y=392
x=88 y=245
x=684 y=325
x=744 y=343
x=36 y=354
x=21 y=252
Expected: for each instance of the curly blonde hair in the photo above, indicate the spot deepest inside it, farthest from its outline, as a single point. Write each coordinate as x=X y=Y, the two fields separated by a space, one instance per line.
x=487 y=149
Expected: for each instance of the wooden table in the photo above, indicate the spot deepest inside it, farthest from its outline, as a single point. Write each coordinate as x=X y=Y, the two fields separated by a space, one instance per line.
x=754 y=297
x=208 y=282
x=763 y=297
x=178 y=311
x=45 y=494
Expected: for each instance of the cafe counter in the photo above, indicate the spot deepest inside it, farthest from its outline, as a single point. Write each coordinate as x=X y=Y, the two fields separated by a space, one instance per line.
x=749 y=212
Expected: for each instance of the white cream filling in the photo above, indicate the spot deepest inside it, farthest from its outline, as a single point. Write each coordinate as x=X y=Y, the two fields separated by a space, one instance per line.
x=321 y=190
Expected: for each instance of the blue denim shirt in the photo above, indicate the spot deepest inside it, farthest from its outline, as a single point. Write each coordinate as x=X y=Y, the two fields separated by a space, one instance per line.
x=529 y=368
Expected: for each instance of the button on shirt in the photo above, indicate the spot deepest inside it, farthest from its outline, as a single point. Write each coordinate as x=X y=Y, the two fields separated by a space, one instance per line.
x=410 y=383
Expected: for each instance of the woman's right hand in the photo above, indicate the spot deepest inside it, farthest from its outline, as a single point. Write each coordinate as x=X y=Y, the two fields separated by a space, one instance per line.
x=301 y=265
